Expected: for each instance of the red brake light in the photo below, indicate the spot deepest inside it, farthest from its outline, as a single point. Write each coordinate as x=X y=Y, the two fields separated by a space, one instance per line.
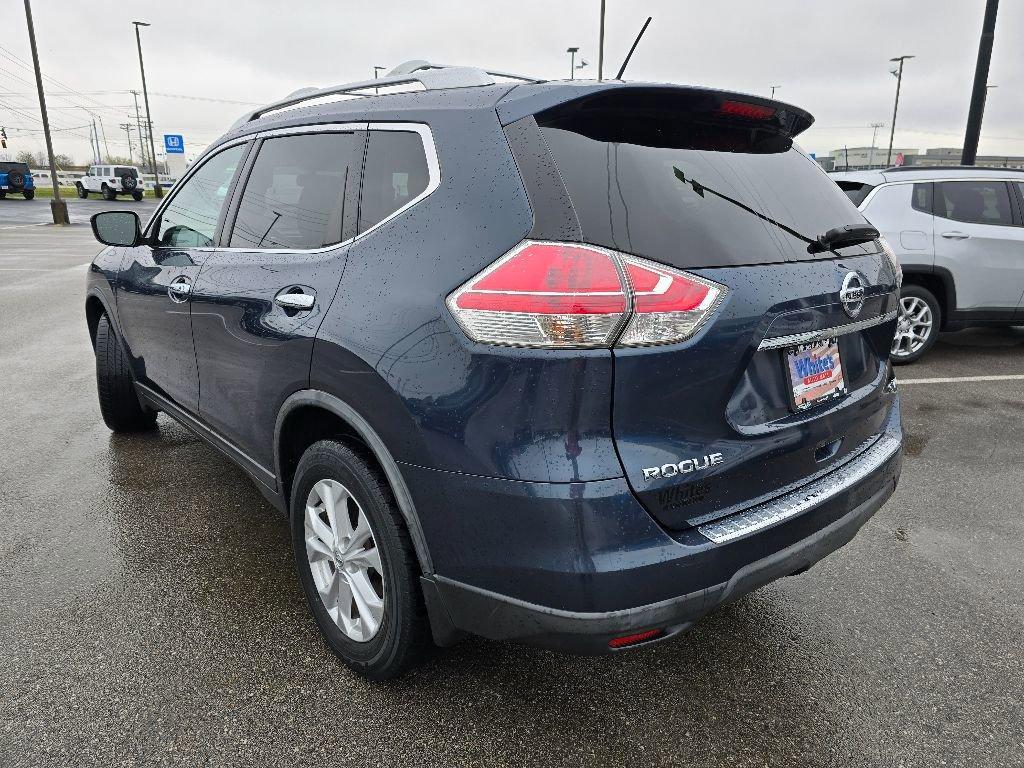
x=746 y=109
x=544 y=294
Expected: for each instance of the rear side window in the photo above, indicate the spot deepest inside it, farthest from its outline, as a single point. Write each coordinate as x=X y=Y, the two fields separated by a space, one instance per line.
x=394 y=175
x=976 y=202
x=295 y=195
x=855 y=190
x=921 y=197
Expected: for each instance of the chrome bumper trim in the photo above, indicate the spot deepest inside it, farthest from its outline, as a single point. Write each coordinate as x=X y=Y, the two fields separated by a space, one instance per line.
x=779 y=342
x=765 y=515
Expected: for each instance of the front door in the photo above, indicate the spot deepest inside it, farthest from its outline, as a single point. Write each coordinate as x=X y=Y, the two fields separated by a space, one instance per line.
x=978 y=238
x=155 y=284
x=259 y=301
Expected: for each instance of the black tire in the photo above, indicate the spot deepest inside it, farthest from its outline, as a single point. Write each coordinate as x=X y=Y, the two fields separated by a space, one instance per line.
x=29 y=194
x=108 y=193
x=136 y=196
x=404 y=637
x=82 y=191
x=923 y=294
x=3 y=194
x=119 y=403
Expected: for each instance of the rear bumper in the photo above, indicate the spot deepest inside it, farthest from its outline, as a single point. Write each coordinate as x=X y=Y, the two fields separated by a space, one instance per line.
x=691 y=573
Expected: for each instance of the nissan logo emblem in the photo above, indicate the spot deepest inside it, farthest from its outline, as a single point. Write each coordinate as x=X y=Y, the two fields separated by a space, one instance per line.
x=852 y=294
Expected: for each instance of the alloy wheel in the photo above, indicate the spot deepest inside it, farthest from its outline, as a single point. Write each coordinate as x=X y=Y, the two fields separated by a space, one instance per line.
x=344 y=560
x=913 y=328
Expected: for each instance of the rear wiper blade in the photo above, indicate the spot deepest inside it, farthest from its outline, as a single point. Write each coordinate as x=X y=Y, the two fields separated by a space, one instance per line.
x=839 y=237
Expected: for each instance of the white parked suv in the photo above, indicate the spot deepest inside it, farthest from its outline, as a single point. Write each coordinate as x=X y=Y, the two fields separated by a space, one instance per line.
x=959 y=235
x=110 y=181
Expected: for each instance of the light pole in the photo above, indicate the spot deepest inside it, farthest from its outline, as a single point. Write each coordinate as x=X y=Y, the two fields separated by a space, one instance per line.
x=572 y=61
x=980 y=91
x=157 y=189
x=58 y=208
x=899 y=82
x=871 y=152
x=600 y=50
x=773 y=90
x=376 y=74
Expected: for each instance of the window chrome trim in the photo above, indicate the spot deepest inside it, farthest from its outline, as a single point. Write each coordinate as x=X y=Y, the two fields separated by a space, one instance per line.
x=808 y=337
x=773 y=512
x=429 y=151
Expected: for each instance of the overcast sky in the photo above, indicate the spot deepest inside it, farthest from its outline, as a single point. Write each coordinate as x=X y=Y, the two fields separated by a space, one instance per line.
x=830 y=58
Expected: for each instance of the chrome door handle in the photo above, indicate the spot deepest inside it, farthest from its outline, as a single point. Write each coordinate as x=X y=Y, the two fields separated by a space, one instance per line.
x=299 y=301
x=179 y=289
x=955 y=235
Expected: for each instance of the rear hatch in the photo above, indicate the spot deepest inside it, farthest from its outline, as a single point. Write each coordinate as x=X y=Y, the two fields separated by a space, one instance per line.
x=711 y=183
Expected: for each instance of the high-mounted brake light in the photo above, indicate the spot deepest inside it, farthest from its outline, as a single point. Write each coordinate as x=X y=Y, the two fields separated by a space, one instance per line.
x=746 y=109
x=564 y=295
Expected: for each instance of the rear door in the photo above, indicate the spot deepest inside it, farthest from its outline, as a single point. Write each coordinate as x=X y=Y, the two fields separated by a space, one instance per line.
x=978 y=238
x=260 y=297
x=156 y=282
x=903 y=214
x=717 y=422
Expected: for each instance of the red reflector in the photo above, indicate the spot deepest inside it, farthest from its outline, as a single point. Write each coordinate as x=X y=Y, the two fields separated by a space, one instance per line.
x=745 y=109
x=639 y=637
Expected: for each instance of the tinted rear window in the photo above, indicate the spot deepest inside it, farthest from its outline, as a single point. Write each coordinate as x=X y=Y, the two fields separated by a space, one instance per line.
x=129 y=171
x=855 y=190
x=691 y=192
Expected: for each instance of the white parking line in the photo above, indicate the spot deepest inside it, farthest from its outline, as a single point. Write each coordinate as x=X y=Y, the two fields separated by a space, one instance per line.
x=955 y=379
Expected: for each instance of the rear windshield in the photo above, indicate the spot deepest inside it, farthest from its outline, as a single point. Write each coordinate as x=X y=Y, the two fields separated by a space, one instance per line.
x=8 y=167
x=129 y=171
x=855 y=190
x=692 y=192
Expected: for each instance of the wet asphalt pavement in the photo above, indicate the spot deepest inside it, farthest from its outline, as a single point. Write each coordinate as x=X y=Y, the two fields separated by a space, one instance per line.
x=150 y=611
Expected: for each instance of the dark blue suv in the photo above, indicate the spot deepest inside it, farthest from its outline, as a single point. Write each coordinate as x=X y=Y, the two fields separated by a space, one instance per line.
x=568 y=363
x=16 y=178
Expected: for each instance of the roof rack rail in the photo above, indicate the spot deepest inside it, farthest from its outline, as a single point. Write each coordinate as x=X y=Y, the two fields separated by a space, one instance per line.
x=902 y=168
x=430 y=76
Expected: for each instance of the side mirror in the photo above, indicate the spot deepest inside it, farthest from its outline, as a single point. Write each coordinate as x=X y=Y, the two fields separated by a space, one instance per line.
x=117 y=228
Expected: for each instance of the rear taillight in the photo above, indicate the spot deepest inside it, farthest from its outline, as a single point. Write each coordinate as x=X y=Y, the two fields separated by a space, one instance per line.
x=554 y=295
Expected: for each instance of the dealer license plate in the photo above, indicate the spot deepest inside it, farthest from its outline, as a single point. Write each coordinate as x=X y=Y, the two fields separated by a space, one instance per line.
x=815 y=373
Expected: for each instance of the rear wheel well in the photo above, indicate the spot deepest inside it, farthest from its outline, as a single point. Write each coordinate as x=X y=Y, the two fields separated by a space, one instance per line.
x=939 y=288
x=306 y=425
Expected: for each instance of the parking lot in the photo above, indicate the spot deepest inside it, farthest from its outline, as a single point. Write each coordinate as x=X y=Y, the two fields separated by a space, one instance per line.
x=18 y=212
x=157 y=616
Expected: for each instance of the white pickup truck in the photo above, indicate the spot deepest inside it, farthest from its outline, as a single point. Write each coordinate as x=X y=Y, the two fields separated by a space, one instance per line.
x=110 y=181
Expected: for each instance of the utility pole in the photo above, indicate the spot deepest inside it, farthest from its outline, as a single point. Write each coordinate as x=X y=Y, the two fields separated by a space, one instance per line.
x=871 y=152
x=103 y=130
x=158 y=191
x=127 y=128
x=600 y=50
x=96 y=136
x=896 y=106
x=138 y=125
x=773 y=90
x=58 y=208
x=572 y=61
x=979 y=92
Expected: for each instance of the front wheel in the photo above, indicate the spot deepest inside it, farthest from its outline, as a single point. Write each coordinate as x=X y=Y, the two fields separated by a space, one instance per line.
x=356 y=562
x=119 y=403
x=3 y=194
x=29 y=194
x=917 y=327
